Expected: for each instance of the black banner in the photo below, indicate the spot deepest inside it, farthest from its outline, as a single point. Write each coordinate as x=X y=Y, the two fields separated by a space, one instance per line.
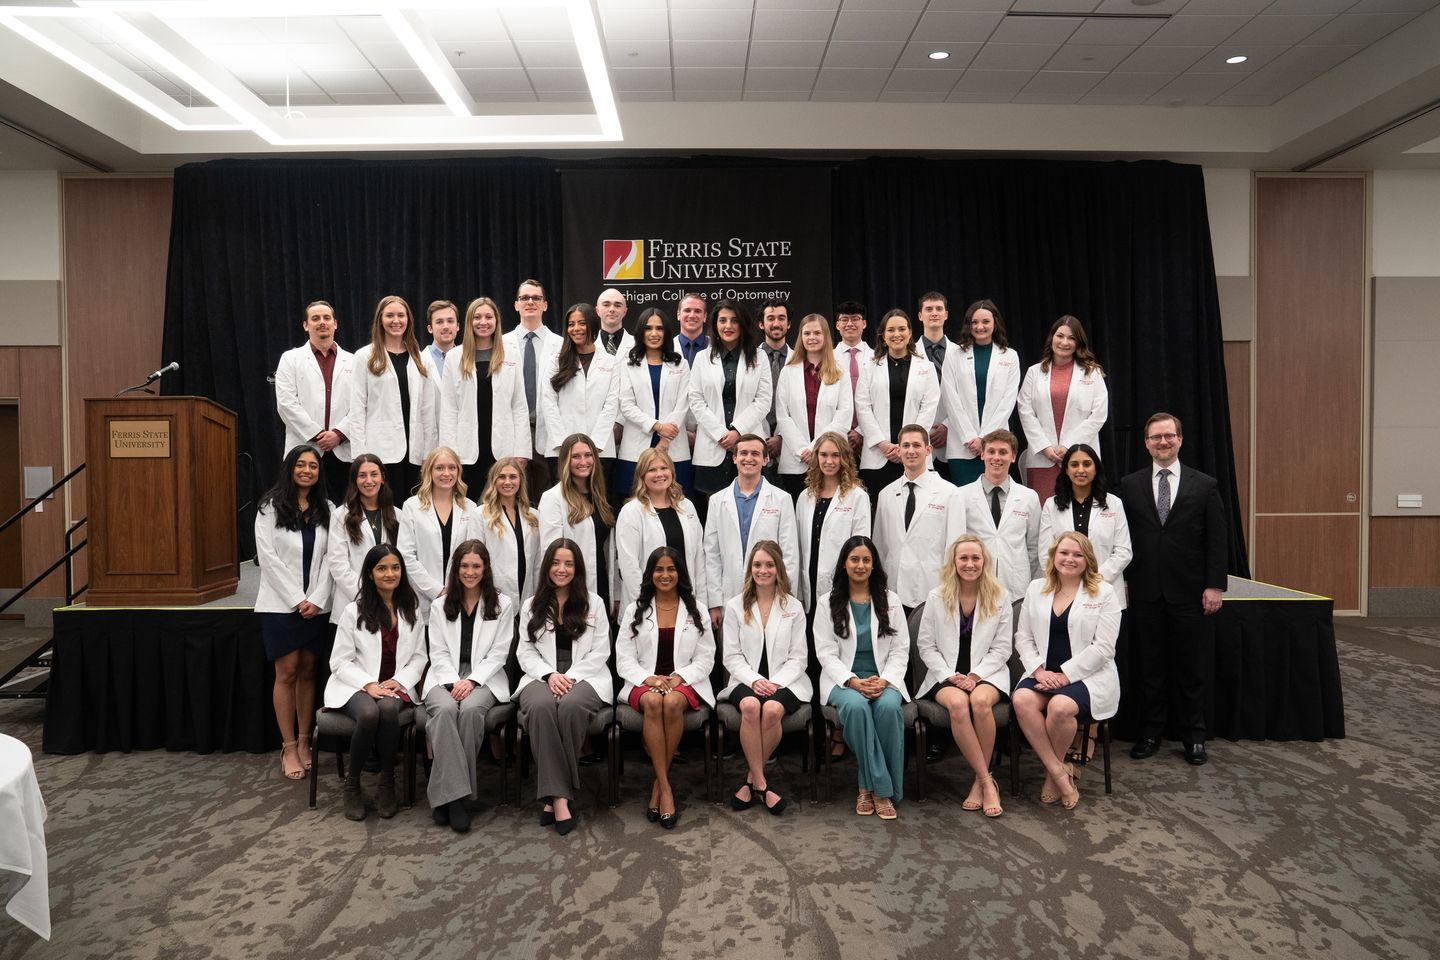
x=748 y=235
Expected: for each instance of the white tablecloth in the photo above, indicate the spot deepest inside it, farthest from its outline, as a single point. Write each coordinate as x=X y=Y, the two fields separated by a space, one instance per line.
x=24 y=867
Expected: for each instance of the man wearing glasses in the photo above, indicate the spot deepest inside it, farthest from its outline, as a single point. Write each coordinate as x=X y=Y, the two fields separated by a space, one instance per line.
x=531 y=344
x=1176 y=578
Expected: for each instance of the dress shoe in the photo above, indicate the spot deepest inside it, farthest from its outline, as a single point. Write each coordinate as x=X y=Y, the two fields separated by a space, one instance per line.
x=563 y=827
x=1195 y=754
x=547 y=818
x=459 y=816
x=354 y=802
x=440 y=815
x=1144 y=747
x=386 y=803
x=668 y=820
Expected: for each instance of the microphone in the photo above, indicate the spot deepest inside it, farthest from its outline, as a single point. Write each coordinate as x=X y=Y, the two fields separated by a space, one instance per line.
x=171 y=368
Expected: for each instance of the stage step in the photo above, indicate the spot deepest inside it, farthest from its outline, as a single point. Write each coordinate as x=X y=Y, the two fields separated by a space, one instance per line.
x=32 y=655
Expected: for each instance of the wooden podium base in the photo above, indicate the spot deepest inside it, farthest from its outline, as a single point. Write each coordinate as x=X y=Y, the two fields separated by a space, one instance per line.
x=161 y=598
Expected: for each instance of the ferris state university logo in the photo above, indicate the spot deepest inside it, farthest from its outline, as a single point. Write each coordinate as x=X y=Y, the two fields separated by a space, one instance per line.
x=624 y=260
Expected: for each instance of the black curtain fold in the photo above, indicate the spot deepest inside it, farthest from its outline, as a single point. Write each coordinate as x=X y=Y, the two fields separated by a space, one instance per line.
x=1125 y=247
x=252 y=242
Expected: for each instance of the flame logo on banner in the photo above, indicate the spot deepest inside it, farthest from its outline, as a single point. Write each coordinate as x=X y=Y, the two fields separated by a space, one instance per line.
x=624 y=260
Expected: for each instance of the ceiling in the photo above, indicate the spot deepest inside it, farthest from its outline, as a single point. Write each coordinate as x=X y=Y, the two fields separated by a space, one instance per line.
x=1325 y=84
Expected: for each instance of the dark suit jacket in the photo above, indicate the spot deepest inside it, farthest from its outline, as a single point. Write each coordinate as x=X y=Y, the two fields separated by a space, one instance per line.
x=1176 y=562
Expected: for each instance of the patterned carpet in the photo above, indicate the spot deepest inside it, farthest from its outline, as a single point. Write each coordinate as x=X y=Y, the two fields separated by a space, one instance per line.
x=1273 y=850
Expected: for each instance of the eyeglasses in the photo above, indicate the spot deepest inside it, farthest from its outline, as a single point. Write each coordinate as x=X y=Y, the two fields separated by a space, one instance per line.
x=530 y=298
x=1162 y=437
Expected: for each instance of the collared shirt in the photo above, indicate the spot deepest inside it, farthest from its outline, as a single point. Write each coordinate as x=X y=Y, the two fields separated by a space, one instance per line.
x=688 y=347
x=987 y=486
x=437 y=357
x=1174 y=469
x=326 y=360
x=935 y=351
x=745 y=509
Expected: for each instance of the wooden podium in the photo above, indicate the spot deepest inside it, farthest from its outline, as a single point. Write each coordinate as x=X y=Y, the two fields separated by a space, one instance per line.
x=160 y=480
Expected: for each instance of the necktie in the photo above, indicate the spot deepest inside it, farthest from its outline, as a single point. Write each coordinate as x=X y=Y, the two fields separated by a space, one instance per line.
x=937 y=356
x=854 y=378
x=909 y=503
x=530 y=372
x=1162 y=496
x=995 y=505
x=688 y=346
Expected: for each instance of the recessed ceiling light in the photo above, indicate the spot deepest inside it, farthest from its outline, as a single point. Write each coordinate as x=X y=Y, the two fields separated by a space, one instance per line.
x=1144 y=3
x=1236 y=59
x=940 y=55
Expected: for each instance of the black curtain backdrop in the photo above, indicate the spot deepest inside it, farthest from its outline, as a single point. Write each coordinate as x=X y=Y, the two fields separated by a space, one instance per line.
x=1123 y=246
x=253 y=241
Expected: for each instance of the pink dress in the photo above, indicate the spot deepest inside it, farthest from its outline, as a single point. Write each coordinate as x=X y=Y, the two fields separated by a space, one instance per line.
x=1042 y=479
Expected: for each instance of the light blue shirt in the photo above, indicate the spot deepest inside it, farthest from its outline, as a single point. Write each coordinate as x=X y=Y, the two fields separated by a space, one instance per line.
x=436 y=357
x=745 y=508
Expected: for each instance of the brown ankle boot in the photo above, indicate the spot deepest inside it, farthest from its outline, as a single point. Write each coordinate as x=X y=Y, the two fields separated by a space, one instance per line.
x=354 y=801
x=385 y=803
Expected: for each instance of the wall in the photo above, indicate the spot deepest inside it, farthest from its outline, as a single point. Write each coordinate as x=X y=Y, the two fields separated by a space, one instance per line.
x=1404 y=560
x=30 y=351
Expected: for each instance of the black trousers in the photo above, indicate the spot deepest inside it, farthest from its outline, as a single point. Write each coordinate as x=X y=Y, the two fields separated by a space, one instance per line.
x=377 y=724
x=1175 y=644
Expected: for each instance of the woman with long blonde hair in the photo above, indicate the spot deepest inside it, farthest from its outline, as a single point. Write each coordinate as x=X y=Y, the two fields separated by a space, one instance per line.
x=509 y=529
x=577 y=508
x=1066 y=642
x=483 y=416
x=832 y=508
x=765 y=653
x=812 y=396
x=658 y=514
x=432 y=521
x=391 y=412
x=964 y=642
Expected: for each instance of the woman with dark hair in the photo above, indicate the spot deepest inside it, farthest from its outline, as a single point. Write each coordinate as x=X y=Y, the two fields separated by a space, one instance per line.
x=1060 y=405
x=764 y=630
x=483 y=416
x=470 y=631
x=730 y=394
x=897 y=386
x=291 y=530
x=577 y=509
x=1066 y=642
x=378 y=658
x=658 y=515
x=366 y=517
x=391 y=411
x=864 y=648
x=664 y=653
x=1083 y=503
x=978 y=388
x=578 y=389
x=653 y=399
x=563 y=652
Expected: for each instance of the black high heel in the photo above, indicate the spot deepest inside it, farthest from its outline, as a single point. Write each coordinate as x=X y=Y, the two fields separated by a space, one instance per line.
x=652 y=814
x=779 y=806
x=737 y=804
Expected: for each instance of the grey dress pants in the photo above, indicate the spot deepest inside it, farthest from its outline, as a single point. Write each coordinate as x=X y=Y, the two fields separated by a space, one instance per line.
x=457 y=733
x=557 y=729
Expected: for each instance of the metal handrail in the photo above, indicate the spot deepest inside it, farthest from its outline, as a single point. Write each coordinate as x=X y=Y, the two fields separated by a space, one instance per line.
x=41 y=499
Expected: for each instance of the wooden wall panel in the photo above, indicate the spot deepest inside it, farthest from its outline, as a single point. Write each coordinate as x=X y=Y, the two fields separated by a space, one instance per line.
x=11 y=487
x=42 y=444
x=1309 y=343
x=117 y=243
x=10 y=372
x=1404 y=552
x=1237 y=381
x=1315 y=553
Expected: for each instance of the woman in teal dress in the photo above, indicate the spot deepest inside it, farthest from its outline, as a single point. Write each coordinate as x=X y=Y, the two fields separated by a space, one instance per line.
x=864 y=648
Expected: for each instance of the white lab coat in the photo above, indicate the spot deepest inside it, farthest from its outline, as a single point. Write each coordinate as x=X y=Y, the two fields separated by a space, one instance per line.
x=783 y=639
x=345 y=559
x=836 y=656
x=636 y=404
x=694 y=651
x=938 y=644
x=872 y=404
x=1014 y=546
x=588 y=404
x=355 y=658
x=638 y=532
x=375 y=423
x=555 y=523
x=848 y=516
x=1094 y=623
x=725 y=561
x=753 y=392
x=1086 y=406
x=589 y=652
x=300 y=395
x=547 y=344
x=489 y=648
x=957 y=387
x=280 y=554
x=422 y=547
x=913 y=556
x=1109 y=534
x=833 y=410
x=507 y=433
x=505 y=553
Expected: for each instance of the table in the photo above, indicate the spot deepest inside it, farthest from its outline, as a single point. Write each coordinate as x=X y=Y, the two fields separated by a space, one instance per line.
x=24 y=866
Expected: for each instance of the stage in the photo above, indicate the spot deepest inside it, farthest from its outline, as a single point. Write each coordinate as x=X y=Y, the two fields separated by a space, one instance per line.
x=196 y=678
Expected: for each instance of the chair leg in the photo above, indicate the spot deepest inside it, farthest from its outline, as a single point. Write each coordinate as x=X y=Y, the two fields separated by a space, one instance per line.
x=410 y=746
x=921 y=761
x=810 y=762
x=1105 y=746
x=1014 y=757
x=719 y=758
x=829 y=762
x=507 y=744
x=613 y=765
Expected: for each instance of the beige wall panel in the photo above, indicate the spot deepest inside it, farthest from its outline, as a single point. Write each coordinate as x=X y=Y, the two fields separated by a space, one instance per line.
x=1317 y=554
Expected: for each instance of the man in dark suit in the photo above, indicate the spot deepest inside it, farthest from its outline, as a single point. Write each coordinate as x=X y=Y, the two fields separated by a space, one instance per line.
x=1176 y=578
